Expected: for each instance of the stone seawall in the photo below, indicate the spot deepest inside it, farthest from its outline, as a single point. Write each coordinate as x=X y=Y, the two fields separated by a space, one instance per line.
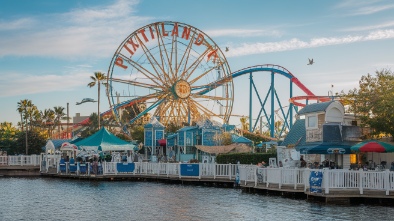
x=19 y=171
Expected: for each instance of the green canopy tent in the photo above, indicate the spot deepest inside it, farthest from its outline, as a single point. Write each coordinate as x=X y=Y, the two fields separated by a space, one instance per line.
x=104 y=141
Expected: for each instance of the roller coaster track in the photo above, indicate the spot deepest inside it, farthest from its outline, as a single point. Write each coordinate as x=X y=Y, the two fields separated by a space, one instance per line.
x=270 y=68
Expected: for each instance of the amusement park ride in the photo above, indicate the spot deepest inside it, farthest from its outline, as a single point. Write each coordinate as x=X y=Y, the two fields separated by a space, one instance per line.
x=180 y=75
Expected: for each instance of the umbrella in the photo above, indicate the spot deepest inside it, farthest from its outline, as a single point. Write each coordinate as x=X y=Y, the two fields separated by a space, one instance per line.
x=373 y=146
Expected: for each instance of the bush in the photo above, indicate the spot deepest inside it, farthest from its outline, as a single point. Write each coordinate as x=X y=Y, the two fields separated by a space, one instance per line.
x=108 y=158
x=244 y=158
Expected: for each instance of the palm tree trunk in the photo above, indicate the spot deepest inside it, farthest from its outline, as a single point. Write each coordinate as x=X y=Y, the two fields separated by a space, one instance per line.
x=98 y=105
x=21 y=121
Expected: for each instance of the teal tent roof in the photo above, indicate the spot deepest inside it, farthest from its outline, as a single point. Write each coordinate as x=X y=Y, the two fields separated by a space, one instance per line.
x=105 y=141
x=238 y=139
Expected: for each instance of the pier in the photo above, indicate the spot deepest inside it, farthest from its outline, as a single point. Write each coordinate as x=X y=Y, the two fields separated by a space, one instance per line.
x=336 y=185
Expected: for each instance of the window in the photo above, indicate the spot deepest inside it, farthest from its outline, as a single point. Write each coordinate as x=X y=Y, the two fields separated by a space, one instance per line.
x=312 y=121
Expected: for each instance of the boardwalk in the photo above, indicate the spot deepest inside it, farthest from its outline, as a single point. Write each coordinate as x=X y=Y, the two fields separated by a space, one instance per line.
x=332 y=185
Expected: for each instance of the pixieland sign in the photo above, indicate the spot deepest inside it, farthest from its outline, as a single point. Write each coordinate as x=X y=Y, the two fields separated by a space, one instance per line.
x=158 y=30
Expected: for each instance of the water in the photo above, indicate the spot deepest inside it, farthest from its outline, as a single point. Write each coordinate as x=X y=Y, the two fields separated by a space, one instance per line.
x=63 y=199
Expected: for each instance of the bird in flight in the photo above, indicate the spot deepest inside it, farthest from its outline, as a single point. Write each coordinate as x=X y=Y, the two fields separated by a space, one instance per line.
x=310 y=61
x=227 y=49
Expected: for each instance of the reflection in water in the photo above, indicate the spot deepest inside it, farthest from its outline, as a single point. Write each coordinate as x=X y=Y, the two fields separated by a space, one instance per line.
x=59 y=199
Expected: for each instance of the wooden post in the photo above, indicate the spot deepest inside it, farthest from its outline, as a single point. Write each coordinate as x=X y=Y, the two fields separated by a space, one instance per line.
x=326 y=179
x=361 y=181
x=387 y=181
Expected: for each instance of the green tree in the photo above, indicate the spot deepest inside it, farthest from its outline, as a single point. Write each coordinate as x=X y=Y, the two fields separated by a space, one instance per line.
x=244 y=123
x=172 y=128
x=26 y=108
x=8 y=135
x=92 y=126
x=373 y=102
x=48 y=118
x=35 y=142
x=137 y=133
x=59 y=114
x=98 y=79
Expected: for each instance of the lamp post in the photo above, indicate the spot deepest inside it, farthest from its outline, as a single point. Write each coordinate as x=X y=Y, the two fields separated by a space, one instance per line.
x=27 y=147
x=27 y=130
x=68 y=120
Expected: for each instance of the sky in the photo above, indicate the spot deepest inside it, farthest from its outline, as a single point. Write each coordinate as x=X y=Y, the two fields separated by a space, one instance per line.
x=50 y=48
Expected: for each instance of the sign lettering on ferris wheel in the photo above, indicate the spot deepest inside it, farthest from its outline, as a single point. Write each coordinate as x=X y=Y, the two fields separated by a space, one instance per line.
x=148 y=33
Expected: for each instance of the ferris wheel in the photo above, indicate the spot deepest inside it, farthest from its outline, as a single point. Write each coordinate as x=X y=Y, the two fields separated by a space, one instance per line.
x=171 y=71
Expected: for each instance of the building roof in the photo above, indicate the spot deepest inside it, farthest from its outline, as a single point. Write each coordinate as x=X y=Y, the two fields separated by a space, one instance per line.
x=239 y=139
x=316 y=107
x=237 y=148
x=187 y=128
x=154 y=123
x=296 y=135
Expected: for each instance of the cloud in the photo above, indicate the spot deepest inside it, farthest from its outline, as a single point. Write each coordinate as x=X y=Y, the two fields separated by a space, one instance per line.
x=371 y=27
x=22 y=84
x=371 y=9
x=358 y=7
x=242 y=33
x=19 y=24
x=294 y=44
x=77 y=33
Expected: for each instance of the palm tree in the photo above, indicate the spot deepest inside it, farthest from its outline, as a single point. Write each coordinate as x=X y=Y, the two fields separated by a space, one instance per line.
x=59 y=114
x=98 y=79
x=25 y=108
x=48 y=117
x=22 y=107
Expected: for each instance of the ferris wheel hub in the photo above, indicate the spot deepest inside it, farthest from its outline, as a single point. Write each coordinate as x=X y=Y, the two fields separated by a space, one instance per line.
x=182 y=89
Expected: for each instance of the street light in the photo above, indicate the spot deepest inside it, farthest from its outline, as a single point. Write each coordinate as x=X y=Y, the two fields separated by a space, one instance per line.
x=27 y=130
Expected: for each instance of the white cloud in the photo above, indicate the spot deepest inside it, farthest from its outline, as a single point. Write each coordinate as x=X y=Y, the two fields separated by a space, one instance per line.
x=355 y=3
x=294 y=44
x=79 y=33
x=360 y=7
x=372 y=9
x=23 y=23
x=242 y=33
x=20 y=84
x=371 y=27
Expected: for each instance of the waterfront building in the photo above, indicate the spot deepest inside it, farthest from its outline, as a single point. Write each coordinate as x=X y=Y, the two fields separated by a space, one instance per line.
x=323 y=131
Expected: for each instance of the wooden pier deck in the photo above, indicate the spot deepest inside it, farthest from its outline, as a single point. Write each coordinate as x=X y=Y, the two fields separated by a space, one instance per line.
x=337 y=186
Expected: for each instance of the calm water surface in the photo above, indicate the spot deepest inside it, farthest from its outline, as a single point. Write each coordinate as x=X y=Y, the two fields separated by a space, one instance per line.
x=58 y=199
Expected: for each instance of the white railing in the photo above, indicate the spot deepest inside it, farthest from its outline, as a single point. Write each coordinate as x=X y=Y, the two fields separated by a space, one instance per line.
x=147 y=168
x=20 y=160
x=4 y=160
x=331 y=179
x=255 y=176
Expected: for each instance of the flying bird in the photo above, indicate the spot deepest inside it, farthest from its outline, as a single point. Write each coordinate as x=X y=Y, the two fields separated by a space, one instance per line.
x=227 y=49
x=310 y=61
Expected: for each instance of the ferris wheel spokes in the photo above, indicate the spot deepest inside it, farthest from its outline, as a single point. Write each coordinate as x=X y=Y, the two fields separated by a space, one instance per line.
x=151 y=58
x=139 y=84
x=195 y=64
x=143 y=70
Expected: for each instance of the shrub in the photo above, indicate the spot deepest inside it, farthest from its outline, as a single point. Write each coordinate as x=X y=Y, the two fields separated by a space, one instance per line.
x=244 y=158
